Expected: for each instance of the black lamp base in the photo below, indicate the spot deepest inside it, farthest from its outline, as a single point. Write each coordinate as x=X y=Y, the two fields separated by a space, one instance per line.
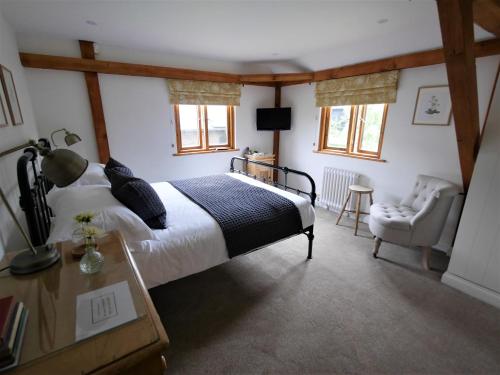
x=27 y=262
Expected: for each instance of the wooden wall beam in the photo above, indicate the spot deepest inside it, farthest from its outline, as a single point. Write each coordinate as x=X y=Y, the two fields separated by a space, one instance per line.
x=455 y=17
x=94 y=91
x=276 y=134
x=412 y=60
x=487 y=15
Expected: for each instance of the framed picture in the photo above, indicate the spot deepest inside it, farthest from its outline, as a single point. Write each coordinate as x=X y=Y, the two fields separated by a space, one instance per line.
x=11 y=95
x=433 y=106
x=3 y=111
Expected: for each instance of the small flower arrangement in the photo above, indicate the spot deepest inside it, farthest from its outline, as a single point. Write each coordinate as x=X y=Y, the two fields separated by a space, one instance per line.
x=84 y=217
x=91 y=231
x=82 y=222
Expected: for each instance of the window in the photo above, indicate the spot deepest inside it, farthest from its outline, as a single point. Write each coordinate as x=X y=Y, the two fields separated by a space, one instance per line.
x=356 y=131
x=204 y=128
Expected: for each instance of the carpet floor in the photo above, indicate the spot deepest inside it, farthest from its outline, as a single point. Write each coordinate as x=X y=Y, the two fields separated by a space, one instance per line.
x=341 y=312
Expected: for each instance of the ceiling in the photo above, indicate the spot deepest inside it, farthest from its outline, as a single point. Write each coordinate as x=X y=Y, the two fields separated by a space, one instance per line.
x=303 y=35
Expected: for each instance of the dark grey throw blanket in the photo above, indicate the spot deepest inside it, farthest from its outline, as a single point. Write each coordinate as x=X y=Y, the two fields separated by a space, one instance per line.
x=249 y=216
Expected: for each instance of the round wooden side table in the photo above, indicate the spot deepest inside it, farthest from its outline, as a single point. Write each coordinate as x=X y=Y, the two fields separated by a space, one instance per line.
x=359 y=190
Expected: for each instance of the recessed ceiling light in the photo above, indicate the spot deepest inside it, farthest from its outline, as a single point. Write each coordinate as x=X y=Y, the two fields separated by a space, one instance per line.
x=90 y=22
x=382 y=20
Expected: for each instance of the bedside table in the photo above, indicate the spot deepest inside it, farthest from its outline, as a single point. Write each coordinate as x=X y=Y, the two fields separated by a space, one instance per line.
x=50 y=296
x=260 y=171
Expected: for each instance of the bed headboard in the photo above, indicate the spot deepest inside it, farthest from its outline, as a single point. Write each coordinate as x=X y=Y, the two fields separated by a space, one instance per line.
x=34 y=187
x=311 y=194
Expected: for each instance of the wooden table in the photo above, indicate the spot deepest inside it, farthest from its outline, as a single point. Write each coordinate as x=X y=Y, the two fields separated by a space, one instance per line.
x=359 y=190
x=50 y=296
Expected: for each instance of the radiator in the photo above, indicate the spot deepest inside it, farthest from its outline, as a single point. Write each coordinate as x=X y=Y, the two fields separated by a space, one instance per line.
x=335 y=188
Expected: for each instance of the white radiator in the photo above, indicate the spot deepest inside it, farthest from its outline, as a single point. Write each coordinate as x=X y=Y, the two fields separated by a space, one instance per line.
x=335 y=188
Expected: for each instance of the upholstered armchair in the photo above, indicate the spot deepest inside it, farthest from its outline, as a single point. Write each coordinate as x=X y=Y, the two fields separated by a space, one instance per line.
x=418 y=220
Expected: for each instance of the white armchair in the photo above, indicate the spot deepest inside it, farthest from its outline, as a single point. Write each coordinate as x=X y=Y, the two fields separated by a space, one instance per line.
x=418 y=220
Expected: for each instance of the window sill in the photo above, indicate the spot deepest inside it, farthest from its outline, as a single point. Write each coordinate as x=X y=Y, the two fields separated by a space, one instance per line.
x=196 y=152
x=355 y=156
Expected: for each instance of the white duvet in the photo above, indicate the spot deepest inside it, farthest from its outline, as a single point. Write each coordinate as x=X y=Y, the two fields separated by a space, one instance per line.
x=193 y=241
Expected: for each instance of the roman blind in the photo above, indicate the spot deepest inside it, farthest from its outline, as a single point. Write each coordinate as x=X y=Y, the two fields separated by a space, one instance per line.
x=366 y=89
x=203 y=92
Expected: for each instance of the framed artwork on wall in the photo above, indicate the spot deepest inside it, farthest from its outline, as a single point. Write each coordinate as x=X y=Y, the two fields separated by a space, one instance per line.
x=433 y=106
x=3 y=111
x=11 y=95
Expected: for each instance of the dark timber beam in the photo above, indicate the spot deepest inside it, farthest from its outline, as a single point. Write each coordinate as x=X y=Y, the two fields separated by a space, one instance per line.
x=487 y=15
x=455 y=17
x=276 y=135
x=94 y=91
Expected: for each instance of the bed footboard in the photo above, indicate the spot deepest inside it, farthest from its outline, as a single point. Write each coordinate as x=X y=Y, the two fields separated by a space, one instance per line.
x=309 y=231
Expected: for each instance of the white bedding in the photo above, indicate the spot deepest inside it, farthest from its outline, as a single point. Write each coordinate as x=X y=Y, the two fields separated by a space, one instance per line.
x=193 y=241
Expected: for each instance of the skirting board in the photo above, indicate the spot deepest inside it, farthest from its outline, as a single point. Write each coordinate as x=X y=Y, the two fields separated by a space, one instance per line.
x=475 y=290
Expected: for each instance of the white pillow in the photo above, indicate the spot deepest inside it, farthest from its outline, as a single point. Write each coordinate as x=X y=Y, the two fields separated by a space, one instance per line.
x=94 y=175
x=110 y=213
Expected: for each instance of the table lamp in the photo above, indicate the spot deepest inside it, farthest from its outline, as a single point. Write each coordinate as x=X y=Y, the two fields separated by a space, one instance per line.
x=62 y=167
x=69 y=138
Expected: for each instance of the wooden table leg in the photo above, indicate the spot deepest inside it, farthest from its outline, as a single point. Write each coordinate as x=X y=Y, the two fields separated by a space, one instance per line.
x=358 y=206
x=343 y=208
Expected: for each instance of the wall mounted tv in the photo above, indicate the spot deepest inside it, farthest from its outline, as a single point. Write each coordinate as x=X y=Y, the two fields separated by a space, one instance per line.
x=274 y=118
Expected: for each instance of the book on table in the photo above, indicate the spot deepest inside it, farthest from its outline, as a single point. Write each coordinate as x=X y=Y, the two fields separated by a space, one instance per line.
x=13 y=318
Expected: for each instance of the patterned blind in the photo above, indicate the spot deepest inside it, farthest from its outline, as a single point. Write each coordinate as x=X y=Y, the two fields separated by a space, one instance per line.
x=203 y=92
x=366 y=89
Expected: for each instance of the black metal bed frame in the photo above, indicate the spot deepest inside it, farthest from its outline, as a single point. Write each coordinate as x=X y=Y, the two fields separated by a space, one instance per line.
x=34 y=187
x=309 y=231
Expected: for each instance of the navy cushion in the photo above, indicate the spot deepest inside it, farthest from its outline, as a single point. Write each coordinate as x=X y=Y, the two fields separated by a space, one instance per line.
x=140 y=197
x=113 y=164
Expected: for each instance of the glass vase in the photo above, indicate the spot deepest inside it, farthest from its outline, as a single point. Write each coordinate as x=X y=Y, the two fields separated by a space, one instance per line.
x=93 y=260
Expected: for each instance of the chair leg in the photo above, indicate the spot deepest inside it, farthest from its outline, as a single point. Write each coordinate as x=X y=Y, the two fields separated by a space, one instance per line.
x=426 y=255
x=378 y=241
x=358 y=209
x=343 y=208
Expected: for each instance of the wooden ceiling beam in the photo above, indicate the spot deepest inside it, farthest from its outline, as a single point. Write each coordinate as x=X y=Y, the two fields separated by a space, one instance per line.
x=277 y=78
x=455 y=18
x=411 y=60
x=487 y=15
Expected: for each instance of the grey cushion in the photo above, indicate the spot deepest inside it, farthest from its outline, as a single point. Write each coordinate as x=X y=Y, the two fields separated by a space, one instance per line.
x=392 y=215
x=115 y=165
x=140 y=197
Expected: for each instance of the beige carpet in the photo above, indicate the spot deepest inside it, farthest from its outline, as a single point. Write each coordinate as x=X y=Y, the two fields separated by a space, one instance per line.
x=342 y=312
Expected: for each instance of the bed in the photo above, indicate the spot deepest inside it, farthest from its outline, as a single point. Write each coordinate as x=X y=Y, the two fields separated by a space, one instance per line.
x=193 y=240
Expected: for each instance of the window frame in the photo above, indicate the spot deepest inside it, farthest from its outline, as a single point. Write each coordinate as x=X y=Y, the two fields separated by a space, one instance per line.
x=204 y=145
x=355 y=134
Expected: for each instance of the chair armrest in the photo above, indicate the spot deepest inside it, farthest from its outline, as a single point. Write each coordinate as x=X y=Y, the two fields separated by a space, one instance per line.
x=426 y=210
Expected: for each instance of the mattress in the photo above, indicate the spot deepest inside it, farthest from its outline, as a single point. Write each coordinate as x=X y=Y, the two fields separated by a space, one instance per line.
x=193 y=241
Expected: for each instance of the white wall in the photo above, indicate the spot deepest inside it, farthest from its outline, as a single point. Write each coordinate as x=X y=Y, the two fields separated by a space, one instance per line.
x=408 y=149
x=137 y=112
x=12 y=136
x=141 y=131
x=475 y=263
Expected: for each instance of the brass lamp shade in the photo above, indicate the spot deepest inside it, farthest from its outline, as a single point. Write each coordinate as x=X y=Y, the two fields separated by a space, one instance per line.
x=71 y=138
x=63 y=167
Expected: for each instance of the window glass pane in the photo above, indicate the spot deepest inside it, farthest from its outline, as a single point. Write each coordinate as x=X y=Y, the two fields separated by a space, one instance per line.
x=338 y=131
x=217 y=125
x=190 y=131
x=372 y=126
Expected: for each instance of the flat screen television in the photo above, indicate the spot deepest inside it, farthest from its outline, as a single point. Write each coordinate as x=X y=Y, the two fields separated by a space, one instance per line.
x=274 y=118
